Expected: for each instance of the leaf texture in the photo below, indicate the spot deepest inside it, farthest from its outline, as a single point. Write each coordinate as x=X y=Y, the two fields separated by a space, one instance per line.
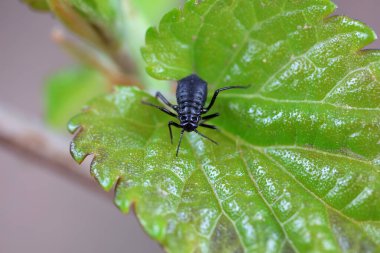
x=297 y=165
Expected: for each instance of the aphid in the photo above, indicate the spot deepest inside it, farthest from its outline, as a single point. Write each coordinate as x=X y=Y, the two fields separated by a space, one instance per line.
x=191 y=96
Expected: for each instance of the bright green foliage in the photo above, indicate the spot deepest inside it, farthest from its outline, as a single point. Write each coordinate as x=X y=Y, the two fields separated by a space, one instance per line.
x=68 y=91
x=297 y=165
x=235 y=195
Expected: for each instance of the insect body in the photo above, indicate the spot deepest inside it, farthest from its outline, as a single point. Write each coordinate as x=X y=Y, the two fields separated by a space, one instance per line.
x=191 y=98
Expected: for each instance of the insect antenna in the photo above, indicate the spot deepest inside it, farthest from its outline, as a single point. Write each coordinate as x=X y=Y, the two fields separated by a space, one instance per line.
x=180 y=139
x=204 y=136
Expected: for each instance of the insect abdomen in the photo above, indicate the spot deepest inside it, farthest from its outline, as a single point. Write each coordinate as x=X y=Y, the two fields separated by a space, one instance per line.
x=191 y=94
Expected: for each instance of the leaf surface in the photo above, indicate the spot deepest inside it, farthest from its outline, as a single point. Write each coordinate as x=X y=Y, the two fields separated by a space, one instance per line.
x=297 y=165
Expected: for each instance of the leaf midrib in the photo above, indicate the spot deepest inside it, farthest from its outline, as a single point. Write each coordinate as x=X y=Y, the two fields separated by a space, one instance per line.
x=264 y=199
x=200 y=167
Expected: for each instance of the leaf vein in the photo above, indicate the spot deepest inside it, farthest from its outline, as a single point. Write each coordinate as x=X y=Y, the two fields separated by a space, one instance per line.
x=219 y=203
x=255 y=184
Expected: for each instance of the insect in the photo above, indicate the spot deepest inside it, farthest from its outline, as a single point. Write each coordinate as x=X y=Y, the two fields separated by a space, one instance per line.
x=191 y=96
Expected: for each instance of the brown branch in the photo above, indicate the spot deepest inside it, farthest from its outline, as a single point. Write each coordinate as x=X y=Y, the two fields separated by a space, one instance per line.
x=34 y=141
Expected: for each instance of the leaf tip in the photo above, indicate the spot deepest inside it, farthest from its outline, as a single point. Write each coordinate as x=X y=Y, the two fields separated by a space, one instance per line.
x=156 y=228
x=76 y=153
x=72 y=127
x=331 y=5
x=105 y=178
x=122 y=204
x=121 y=201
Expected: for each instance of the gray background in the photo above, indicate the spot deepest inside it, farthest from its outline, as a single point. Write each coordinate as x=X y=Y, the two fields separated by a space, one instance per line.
x=41 y=211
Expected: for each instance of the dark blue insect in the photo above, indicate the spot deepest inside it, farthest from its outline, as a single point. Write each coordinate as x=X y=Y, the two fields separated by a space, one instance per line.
x=191 y=98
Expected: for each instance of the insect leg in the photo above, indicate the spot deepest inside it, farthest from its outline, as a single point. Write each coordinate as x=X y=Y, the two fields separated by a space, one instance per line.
x=217 y=92
x=208 y=126
x=170 y=124
x=179 y=143
x=165 y=101
x=161 y=108
x=204 y=136
x=208 y=117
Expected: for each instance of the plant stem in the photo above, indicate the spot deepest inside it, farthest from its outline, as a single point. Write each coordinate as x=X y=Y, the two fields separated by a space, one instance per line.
x=91 y=57
x=39 y=144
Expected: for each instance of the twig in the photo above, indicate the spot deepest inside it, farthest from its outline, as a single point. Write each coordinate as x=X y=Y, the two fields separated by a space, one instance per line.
x=91 y=57
x=36 y=142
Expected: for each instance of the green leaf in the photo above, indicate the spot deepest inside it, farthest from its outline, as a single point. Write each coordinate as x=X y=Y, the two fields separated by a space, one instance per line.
x=67 y=91
x=40 y=5
x=297 y=165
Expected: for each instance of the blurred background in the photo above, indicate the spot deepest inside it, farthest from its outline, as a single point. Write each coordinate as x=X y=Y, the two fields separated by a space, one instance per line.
x=43 y=209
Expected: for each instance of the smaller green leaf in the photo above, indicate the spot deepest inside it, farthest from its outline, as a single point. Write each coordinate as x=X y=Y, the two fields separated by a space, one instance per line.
x=40 y=5
x=68 y=90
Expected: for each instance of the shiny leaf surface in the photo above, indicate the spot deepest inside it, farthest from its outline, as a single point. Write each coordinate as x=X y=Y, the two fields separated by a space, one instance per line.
x=297 y=165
